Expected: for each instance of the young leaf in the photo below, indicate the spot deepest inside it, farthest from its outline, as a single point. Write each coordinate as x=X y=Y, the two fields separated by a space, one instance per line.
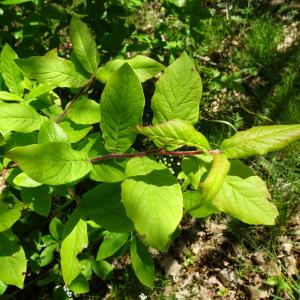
x=84 y=45
x=76 y=239
x=260 y=140
x=143 y=66
x=196 y=206
x=11 y=73
x=122 y=104
x=52 y=163
x=6 y=96
x=142 y=262
x=102 y=269
x=85 y=111
x=103 y=205
x=10 y=212
x=12 y=260
x=52 y=71
x=153 y=200
x=38 y=199
x=246 y=200
x=215 y=178
x=112 y=242
x=174 y=134
x=178 y=92
x=51 y=132
x=19 y=117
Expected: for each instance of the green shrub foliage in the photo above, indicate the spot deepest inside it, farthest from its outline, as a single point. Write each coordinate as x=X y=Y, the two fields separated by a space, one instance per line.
x=120 y=198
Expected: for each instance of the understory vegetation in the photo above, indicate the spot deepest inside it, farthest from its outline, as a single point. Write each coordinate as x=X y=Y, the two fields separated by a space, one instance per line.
x=196 y=205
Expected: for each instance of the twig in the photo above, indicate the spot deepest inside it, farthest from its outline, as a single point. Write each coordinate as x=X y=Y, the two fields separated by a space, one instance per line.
x=71 y=103
x=159 y=151
x=3 y=179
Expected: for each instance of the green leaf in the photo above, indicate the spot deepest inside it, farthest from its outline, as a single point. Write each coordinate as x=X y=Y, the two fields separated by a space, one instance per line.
x=246 y=200
x=215 y=178
x=153 y=200
x=112 y=242
x=24 y=180
x=46 y=256
x=85 y=111
x=76 y=239
x=142 y=262
x=11 y=73
x=103 y=205
x=260 y=140
x=80 y=285
x=143 y=66
x=102 y=269
x=52 y=163
x=51 y=132
x=196 y=206
x=3 y=287
x=10 y=212
x=56 y=228
x=174 y=134
x=6 y=96
x=38 y=199
x=11 y=2
x=75 y=132
x=178 y=92
x=52 y=71
x=84 y=45
x=122 y=104
x=12 y=260
x=19 y=117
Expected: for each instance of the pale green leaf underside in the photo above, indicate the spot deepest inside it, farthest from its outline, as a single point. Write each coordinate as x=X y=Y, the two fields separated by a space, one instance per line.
x=260 y=140
x=178 y=92
x=84 y=45
x=12 y=260
x=143 y=66
x=174 y=134
x=153 y=200
x=142 y=262
x=215 y=178
x=246 y=200
x=52 y=71
x=71 y=246
x=11 y=73
x=19 y=117
x=51 y=163
x=122 y=104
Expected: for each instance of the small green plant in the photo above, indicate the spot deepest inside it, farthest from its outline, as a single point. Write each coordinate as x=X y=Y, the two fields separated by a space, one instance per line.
x=102 y=193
